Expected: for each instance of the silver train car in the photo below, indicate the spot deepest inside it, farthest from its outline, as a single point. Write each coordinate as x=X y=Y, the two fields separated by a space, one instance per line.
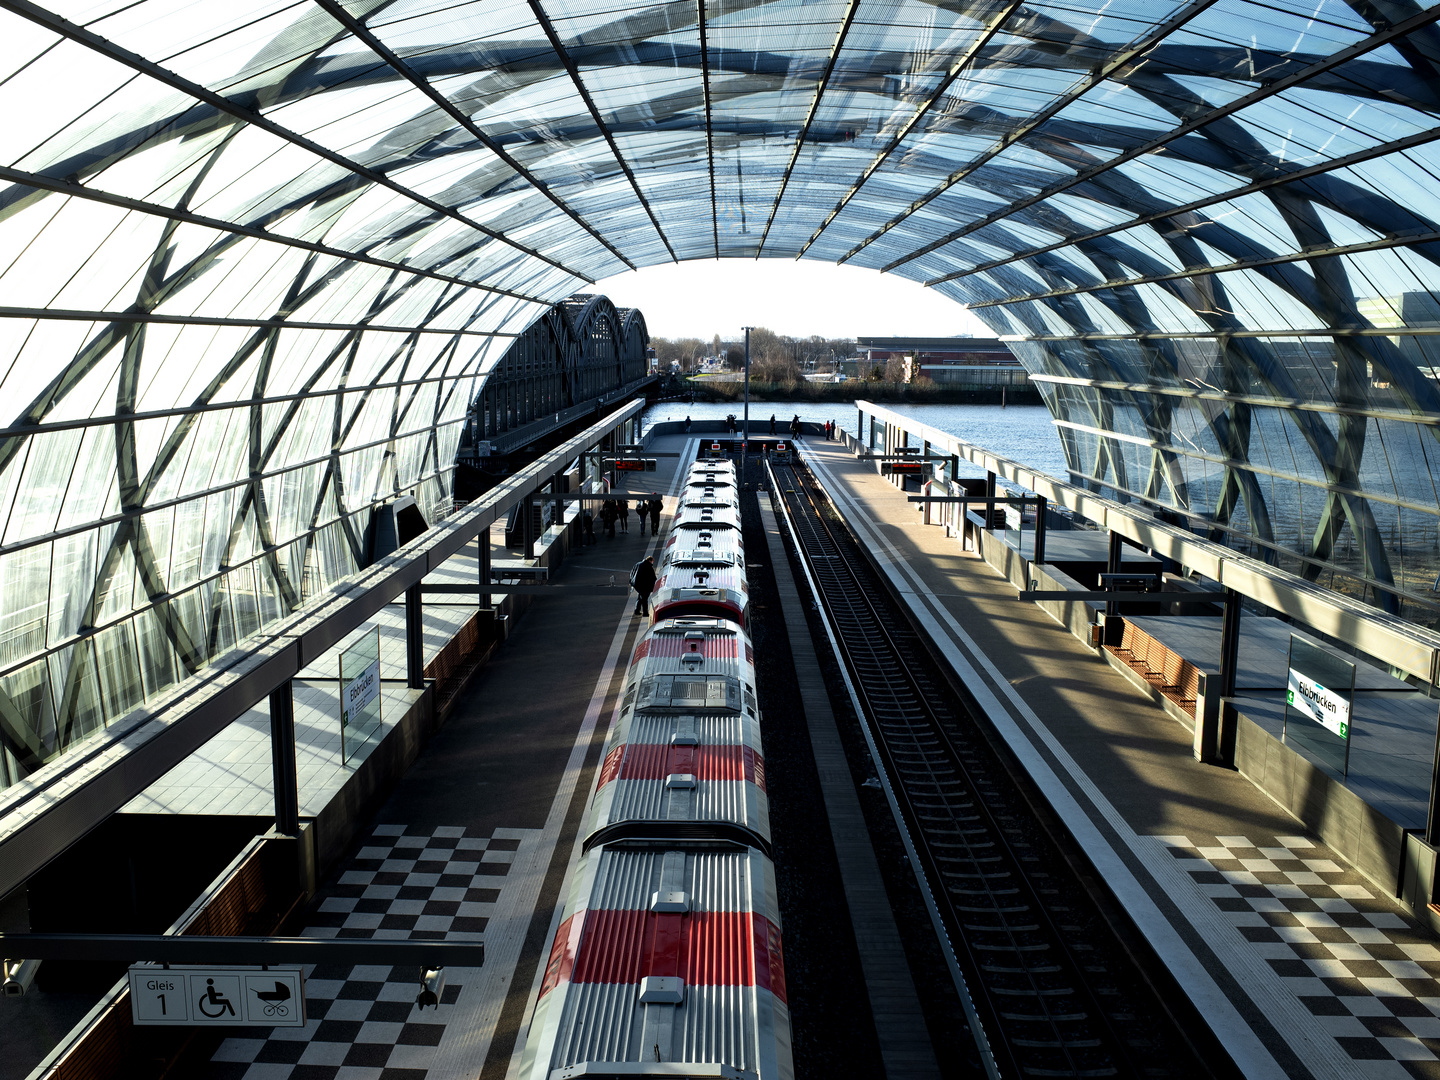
x=712 y=474
x=668 y=960
x=700 y=526
x=710 y=496
x=685 y=746
x=704 y=582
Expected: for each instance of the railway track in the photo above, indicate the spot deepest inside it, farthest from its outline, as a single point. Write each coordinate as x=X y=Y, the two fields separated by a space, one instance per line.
x=1050 y=990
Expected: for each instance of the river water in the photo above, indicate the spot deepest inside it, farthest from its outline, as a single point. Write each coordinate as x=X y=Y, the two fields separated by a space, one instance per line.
x=1022 y=433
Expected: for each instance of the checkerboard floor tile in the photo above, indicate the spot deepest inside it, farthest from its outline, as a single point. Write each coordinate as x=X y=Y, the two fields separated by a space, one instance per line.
x=1367 y=975
x=362 y=1022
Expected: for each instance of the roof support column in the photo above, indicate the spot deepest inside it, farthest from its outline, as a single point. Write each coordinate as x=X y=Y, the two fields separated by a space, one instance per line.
x=282 y=759
x=414 y=638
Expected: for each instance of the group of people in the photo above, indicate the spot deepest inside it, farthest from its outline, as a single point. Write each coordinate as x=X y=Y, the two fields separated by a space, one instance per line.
x=733 y=426
x=617 y=512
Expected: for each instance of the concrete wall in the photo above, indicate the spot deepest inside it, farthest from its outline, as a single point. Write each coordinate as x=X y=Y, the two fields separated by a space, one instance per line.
x=1370 y=841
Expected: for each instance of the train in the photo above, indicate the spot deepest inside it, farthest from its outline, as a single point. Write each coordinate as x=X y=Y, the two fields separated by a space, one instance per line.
x=668 y=959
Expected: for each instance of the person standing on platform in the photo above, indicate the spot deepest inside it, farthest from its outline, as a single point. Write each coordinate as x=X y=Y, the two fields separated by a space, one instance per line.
x=640 y=507
x=642 y=580
x=795 y=428
x=687 y=425
x=772 y=423
x=655 y=507
x=607 y=518
x=587 y=522
x=624 y=508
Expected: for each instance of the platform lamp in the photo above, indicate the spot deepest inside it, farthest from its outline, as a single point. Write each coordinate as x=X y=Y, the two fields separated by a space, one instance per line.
x=745 y=435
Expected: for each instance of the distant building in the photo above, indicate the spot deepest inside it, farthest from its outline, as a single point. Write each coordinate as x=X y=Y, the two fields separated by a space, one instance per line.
x=938 y=350
x=977 y=361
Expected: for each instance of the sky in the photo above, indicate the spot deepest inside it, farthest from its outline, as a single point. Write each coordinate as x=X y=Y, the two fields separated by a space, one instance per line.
x=703 y=298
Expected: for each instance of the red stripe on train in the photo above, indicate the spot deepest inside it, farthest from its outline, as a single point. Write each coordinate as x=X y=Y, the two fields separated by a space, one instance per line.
x=705 y=948
x=714 y=647
x=655 y=761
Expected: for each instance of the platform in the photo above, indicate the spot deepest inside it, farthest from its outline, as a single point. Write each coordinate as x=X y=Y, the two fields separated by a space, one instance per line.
x=1303 y=966
x=475 y=840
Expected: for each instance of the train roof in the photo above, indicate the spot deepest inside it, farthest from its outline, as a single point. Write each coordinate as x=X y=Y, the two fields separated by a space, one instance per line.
x=710 y=496
x=669 y=954
x=699 y=517
x=706 y=556
x=700 y=767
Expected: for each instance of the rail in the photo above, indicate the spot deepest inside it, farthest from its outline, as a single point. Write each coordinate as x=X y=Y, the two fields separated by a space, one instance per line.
x=1049 y=991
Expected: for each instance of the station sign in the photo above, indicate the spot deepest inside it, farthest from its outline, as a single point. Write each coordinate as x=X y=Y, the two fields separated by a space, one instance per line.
x=217 y=997
x=635 y=464
x=1319 y=704
x=1322 y=705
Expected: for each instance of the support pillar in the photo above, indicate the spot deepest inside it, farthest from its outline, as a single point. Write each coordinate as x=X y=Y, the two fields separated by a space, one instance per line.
x=482 y=557
x=282 y=760
x=1229 y=659
x=414 y=639
x=1042 y=506
x=1215 y=719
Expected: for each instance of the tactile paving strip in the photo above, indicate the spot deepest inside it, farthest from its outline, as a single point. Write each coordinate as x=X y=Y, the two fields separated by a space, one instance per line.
x=1367 y=975
x=362 y=1022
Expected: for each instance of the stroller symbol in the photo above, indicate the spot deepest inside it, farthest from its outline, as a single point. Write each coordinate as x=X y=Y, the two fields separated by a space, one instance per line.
x=214 y=997
x=275 y=999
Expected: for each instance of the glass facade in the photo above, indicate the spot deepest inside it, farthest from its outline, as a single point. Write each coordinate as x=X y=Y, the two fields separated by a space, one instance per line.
x=256 y=258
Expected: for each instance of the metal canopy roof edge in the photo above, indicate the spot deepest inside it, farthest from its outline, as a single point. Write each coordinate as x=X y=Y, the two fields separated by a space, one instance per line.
x=44 y=814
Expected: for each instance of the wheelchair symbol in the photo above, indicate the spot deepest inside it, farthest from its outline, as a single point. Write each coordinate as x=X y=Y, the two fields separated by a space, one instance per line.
x=216 y=999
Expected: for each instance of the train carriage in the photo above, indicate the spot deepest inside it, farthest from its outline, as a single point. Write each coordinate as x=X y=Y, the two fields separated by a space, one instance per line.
x=686 y=745
x=712 y=497
x=665 y=957
x=712 y=474
x=668 y=959
x=705 y=582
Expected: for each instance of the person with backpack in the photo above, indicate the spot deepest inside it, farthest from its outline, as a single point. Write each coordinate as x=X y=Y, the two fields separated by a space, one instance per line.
x=642 y=580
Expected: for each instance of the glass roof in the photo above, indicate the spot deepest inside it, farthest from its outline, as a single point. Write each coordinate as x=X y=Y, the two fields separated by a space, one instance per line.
x=256 y=257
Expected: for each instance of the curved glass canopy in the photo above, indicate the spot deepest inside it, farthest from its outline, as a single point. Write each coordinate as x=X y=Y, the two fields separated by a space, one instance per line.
x=256 y=257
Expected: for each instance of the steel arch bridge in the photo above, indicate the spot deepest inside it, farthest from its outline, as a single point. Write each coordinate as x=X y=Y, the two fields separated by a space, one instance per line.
x=579 y=354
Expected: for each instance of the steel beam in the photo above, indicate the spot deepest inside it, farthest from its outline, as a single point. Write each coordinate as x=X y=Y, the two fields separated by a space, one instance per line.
x=241 y=951
x=1296 y=79
x=379 y=48
x=252 y=232
x=415 y=637
x=125 y=58
x=1370 y=153
x=574 y=72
